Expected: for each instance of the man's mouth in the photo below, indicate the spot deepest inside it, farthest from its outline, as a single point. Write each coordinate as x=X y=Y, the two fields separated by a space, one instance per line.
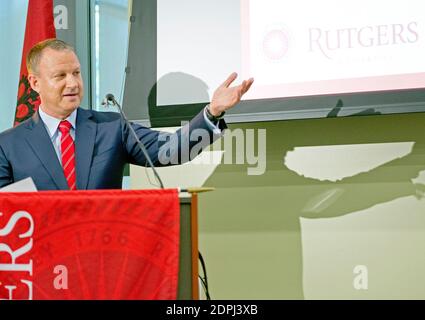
x=71 y=95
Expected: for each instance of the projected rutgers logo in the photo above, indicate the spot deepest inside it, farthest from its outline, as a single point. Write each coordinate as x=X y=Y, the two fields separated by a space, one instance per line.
x=312 y=48
x=276 y=44
x=370 y=36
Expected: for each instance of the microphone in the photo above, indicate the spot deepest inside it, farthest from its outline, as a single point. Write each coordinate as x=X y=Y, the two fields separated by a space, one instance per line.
x=109 y=98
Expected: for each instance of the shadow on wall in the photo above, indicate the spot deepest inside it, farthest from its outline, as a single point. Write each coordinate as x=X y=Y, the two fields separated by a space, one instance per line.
x=250 y=225
x=178 y=87
x=173 y=92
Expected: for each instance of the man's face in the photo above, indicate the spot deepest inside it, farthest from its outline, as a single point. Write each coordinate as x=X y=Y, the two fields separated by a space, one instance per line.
x=58 y=82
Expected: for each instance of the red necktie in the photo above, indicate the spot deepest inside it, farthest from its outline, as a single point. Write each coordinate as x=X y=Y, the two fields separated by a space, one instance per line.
x=68 y=154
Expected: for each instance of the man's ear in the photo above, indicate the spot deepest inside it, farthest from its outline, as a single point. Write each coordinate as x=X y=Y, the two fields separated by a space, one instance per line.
x=33 y=80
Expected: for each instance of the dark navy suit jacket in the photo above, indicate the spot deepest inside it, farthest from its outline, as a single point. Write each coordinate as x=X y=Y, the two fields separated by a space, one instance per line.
x=103 y=146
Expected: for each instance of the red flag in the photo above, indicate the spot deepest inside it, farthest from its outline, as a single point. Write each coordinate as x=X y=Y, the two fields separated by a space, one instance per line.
x=39 y=27
x=100 y=244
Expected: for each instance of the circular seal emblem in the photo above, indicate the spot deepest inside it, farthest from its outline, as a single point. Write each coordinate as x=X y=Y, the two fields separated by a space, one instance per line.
x=276 y=44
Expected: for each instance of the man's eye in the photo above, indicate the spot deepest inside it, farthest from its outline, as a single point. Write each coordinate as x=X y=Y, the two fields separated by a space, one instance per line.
x=76 y=72
x=60 y=75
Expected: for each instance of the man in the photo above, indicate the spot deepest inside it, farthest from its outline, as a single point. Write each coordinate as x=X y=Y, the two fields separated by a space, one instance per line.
x=64 y=147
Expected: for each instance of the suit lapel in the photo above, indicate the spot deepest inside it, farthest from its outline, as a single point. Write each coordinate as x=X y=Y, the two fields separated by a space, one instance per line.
x=42 y=146
x=85 y=136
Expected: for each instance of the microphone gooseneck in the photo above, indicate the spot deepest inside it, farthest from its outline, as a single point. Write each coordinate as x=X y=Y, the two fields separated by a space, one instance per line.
x=110 y=98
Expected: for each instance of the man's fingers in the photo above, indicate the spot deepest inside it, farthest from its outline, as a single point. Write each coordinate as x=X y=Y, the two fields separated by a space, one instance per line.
x=243 y=85
x=248 y=85
x=229 y=80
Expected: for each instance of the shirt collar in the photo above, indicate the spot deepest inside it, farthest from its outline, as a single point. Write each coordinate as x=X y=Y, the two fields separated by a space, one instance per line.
x=52 y=123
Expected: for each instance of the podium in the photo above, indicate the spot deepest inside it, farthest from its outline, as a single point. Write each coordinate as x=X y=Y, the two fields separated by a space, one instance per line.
x=188 y=287
x=112 y=244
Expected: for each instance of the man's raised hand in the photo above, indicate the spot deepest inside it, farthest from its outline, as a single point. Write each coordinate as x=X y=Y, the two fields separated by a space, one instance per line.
x=226 y=97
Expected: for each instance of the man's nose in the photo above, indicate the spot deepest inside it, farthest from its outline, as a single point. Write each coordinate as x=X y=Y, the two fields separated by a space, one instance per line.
x=71 y=81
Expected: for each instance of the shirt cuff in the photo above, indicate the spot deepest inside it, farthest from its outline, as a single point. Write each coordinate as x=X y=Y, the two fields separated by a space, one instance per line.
x=214 y=127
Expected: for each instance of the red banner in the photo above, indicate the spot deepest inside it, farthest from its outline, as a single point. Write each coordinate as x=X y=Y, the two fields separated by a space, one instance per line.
x=98 y=244
x=39 y=27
